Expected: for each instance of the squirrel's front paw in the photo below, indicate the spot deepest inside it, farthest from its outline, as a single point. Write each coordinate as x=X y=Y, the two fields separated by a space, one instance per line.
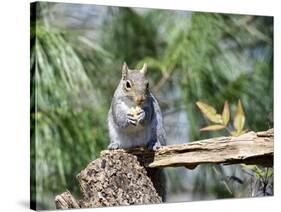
x=131 y=119
x=136 y=118
x=113 y=146
x=153 y=145
x=141 y=116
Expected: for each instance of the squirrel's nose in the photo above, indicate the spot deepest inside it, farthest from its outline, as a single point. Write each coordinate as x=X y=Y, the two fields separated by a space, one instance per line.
x=140 y=99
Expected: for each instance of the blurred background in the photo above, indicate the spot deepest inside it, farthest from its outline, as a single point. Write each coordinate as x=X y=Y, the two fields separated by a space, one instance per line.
x=77 y=51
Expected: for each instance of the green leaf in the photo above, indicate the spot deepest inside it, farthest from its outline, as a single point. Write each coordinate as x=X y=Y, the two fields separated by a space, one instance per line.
x=269 y=173
x=213 y=127
x=239 y=119
x=225 y=113
x=258 y=172
x=210 y=112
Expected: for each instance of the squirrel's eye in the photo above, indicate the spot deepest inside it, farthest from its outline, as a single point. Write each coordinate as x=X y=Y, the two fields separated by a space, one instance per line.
x=147 y=85
x=128 y=84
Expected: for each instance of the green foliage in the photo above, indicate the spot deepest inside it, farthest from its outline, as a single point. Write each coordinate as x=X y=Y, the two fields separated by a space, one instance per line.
x=263 y=177
x=133 y=37
x=217 y=57
x=64 y=115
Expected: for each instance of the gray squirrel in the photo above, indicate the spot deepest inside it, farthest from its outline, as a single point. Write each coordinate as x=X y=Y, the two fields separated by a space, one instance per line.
x=135 y=120
x=134 y=117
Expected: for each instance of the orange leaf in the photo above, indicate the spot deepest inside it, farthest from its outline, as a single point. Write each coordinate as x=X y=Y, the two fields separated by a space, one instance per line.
x=225 y=113
x=213 y=127
x=239 y=119
x=209 y=112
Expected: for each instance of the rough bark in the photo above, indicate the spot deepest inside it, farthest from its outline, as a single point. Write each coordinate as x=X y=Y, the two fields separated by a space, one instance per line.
x=111 y=180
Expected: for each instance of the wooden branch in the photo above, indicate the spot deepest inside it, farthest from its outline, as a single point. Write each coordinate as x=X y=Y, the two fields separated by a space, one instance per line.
x=65 y=201
x=249 y=148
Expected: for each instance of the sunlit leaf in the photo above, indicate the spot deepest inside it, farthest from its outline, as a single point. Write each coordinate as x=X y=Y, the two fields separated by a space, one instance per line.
x=269 y=173
x=213 y=127
x=209 y=112
x=225 y=113
x=258 y=172
x=239 y=119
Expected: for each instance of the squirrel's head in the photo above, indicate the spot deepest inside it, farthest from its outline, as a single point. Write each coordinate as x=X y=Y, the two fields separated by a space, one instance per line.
x=135 y=84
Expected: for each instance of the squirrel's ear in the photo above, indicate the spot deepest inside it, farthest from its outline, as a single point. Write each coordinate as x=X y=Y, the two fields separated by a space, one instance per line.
x=144 y=69
x=124 y=71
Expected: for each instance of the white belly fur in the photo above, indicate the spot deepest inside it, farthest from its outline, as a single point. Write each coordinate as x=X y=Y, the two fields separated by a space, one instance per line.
x=134 y=136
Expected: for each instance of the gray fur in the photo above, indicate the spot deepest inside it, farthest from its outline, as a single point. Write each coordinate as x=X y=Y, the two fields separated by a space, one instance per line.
x=147 y=129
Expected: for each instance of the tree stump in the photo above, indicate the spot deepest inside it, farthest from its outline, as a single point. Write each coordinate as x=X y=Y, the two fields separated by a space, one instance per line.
x=114 y=179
